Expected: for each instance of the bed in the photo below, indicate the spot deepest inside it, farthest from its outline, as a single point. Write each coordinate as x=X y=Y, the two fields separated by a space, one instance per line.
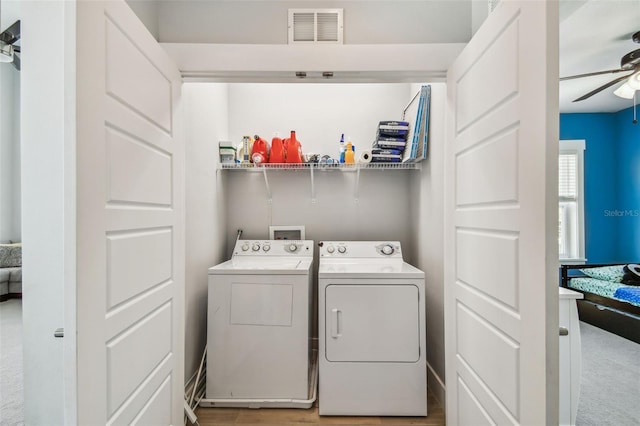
x=608 y=303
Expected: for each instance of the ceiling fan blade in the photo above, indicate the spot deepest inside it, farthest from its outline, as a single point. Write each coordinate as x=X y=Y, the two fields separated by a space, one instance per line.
x=571 y=77
x=16 y=61
x=601 y=88
x=11 y=34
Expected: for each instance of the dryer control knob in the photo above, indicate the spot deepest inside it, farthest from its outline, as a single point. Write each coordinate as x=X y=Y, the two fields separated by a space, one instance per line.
x=266 y=247
x=293 y=248
x=255 y=247
x=387 y=249
x=330 y=249
x=342 y=249
x=245 y=247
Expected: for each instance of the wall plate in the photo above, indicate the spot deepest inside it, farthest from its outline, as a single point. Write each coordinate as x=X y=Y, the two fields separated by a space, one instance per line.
x=286 y=232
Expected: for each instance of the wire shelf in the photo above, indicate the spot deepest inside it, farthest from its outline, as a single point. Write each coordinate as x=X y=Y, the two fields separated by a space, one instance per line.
x=320 y=167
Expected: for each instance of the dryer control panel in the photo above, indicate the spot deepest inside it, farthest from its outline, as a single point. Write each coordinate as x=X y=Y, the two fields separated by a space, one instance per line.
x=273 y=248
x=360 y=249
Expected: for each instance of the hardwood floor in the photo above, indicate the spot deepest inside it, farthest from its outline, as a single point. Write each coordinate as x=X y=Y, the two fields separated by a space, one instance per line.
x=298 y=417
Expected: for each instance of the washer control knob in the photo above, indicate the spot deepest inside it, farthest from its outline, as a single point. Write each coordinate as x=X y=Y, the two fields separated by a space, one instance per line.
x=330 y=249
x=255 y=247
x=387 y=249
x=293 y=248
x=266 y=247
x=245 y=247
x=342 y=249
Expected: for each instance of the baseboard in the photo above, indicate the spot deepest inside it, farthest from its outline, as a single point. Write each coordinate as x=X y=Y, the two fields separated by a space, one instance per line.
x=8 y=296
x=436 y=386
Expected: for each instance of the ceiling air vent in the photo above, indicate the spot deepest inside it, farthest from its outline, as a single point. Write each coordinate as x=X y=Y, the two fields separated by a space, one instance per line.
x=315 y=26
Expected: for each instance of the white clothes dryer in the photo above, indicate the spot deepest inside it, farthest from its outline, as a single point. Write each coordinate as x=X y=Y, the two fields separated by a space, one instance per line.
x=371 y=318
x=258 y=334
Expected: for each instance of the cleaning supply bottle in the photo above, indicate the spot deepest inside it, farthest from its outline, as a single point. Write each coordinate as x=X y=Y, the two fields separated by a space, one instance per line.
x=245 y=149
x=294 y=149
x=349 y=154
x=260 y=151
x=277 y=149
x=342 y=149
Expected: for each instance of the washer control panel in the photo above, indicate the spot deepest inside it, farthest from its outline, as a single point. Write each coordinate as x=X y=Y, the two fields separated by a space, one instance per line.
x=273 y=248
x=360 y=249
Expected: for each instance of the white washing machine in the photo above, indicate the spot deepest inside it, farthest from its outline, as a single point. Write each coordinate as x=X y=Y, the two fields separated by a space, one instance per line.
x=258 y=334
x=371 y=316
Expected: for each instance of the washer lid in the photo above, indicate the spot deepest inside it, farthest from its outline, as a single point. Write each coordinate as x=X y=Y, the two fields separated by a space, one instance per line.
x=262 y=265
x=367 y=268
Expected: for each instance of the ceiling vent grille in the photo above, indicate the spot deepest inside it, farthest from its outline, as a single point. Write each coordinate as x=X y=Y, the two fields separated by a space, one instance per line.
x=315 y=26
x=493 y=4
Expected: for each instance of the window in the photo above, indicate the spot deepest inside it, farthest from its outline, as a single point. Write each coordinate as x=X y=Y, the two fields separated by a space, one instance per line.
x=571 y=202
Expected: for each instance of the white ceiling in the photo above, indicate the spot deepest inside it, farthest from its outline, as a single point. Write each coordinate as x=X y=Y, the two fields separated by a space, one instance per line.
x=594 y=35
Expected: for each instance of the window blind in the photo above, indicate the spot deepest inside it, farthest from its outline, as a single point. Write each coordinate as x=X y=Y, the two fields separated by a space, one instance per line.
x=568 y=176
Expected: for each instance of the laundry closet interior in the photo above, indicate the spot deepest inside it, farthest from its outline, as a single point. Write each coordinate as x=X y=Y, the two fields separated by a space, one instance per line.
x=402 y=204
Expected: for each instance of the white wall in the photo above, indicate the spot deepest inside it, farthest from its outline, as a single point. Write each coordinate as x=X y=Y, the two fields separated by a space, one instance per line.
x=265 y=22
x=206 y=122
x=48 y=214
x=381 y=211
x=427 y=211
x=319 y=113
x=10 y=198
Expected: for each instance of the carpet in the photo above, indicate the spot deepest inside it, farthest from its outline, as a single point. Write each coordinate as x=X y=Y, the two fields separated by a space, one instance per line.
x=11 y=391
x=610 y=387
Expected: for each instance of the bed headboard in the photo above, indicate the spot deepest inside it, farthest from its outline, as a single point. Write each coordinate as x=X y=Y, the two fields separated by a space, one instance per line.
x=564 y=271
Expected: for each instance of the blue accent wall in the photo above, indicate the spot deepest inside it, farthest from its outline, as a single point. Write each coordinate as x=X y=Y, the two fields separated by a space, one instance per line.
x=628 y=186
x=612 y=183
x=600 y=181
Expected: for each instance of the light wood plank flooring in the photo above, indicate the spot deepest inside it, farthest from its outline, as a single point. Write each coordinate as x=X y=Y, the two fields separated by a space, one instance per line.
x=298 y=417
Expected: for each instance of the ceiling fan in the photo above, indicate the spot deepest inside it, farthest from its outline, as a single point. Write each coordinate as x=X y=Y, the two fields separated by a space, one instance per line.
x=8 y=51
x=629 y=63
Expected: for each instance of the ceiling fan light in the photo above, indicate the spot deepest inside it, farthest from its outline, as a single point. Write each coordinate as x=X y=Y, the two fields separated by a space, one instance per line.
x=6 y=52
x=634 y=81
x=625 y=91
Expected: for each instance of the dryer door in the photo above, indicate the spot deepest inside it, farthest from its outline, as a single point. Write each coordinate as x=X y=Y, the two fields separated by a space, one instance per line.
x=372 y=323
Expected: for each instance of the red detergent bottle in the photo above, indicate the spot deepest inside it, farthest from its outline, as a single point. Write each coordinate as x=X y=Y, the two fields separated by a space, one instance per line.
x=294 y=149
x=260 y=151
x=277 y=150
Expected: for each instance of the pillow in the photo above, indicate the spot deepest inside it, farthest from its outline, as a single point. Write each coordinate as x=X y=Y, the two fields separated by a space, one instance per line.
x=10 y=255
x=631 y=275
x=613 y=274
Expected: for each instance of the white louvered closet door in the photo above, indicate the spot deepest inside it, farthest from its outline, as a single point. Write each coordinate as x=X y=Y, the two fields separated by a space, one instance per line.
x=130 y=222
